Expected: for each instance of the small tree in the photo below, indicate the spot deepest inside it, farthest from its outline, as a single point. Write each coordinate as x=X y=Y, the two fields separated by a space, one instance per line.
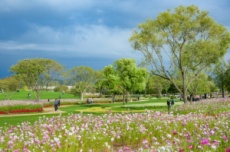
x=158 y=84
x=201 y=85
x=9 y=86
x=221 y=76
x=83 y=78
x=32 y=73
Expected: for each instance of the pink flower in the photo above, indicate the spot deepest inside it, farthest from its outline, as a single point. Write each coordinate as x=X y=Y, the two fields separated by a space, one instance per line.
x=224 y=137
x=174 y=132
x=228 y=149
x=190 y=147
x=215 y=142
x=145 y=141
x=10 y=131
x=205 y=141
x=127 y=149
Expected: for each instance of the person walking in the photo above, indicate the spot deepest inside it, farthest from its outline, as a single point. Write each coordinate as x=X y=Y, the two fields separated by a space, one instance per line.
x=59 y=102
x=172 y=102
x=168 y=104
x=56 y=105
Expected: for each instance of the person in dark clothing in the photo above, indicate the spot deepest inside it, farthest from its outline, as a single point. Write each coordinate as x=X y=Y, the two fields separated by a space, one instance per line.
x=55 y=105
x=168 y=104
x=87 y=101
x=172 y=102
x=59 y=102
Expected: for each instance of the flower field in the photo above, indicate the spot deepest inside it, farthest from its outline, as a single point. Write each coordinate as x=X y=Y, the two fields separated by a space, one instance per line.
x=125 y=132
x=208 y=107
x=19 y=107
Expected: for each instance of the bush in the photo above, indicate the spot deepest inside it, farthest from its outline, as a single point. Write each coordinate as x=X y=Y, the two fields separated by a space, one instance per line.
x=61 y=88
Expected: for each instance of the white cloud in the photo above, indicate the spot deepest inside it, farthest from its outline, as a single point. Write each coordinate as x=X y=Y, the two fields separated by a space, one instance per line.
x=91 y=41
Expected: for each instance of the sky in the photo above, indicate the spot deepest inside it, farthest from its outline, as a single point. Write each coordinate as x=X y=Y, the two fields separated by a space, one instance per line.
x=91 y=33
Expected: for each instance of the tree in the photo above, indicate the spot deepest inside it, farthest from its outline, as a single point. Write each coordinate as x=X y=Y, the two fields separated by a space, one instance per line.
x=129 y=77
x=158 y=84
x=185 y=42
x=221 y=75
x=9 y=86
x=83 y=78
x=111 y=81
x=203 y=84
x=32 y=73
x=53 y=72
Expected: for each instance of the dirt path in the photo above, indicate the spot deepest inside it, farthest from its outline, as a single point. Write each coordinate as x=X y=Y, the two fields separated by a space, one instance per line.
x=46 y=110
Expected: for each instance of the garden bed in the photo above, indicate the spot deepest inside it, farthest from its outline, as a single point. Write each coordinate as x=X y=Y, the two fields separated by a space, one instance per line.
x=13 y=107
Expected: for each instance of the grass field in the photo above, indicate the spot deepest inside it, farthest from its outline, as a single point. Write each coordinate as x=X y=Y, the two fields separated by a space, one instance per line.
x=23 y=95
x=96 y=109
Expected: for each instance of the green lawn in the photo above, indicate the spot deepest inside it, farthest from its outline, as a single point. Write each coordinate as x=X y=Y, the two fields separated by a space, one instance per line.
x=96 y=109
x=23 y=95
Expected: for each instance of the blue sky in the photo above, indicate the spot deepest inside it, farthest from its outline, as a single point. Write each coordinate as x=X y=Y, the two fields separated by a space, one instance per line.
x=92 y=33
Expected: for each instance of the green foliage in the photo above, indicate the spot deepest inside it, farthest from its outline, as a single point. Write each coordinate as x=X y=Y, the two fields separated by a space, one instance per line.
x=201 y=85
x=187 y=37
x=61 y=88
x=124 y=77
x=9 y=86
x=83 y=78
x=156 y=84
x=221 y=75
x=35 y=73
x=173 y=97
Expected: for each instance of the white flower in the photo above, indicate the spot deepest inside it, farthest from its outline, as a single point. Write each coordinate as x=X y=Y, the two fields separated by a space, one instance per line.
x=169 y=136
x=112 y=139
x=213 y=147
x=57 y=140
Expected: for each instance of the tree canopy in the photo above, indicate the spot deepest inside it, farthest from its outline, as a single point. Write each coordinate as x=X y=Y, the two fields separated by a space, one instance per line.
x=34 y=72
x=181 y=43
x=125 y=76
x=83 y=78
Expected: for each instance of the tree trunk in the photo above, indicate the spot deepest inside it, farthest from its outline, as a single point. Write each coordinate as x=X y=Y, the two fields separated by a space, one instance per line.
x=113 y=98
x=81 y=96
x=191 y=97
x=37 y=95
x=222 y=86
x=184 y=91
x=123 y=98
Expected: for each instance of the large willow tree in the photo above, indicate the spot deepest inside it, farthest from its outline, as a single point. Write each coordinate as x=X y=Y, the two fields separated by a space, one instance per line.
x=181 y=44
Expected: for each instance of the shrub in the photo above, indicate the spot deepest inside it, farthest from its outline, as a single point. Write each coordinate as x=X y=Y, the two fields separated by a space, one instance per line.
x=61 y=88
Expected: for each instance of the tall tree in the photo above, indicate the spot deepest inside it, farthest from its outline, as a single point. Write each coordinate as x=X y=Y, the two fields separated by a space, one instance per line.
x=83 y=78
x=32 y=72
x=185 y=40
x=130 y=76
x=111 y=81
